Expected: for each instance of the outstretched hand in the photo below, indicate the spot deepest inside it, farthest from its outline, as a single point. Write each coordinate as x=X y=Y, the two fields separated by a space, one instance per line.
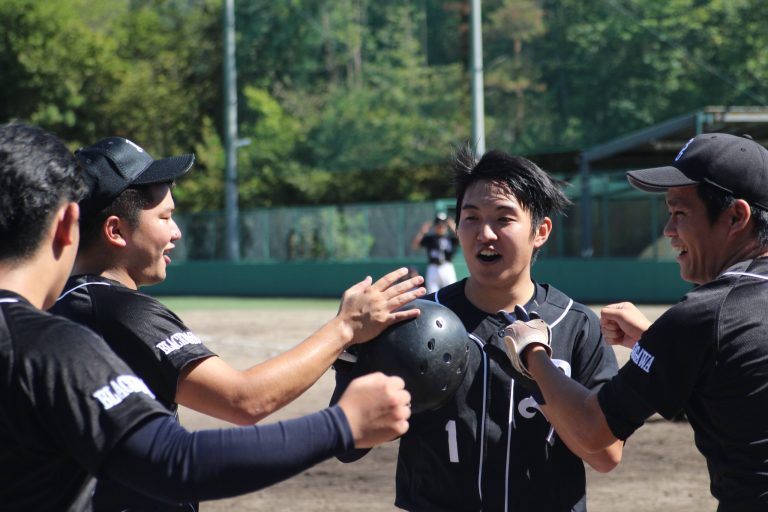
x=622 y=324
x=368 y=308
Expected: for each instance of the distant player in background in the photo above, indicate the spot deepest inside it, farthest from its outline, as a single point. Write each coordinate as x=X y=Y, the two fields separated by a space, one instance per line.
x=72 y=410
x=128 y=234
x=441 y=244
x=491 y=447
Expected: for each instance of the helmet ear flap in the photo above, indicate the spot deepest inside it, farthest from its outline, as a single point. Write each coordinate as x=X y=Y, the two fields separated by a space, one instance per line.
x=429 y=352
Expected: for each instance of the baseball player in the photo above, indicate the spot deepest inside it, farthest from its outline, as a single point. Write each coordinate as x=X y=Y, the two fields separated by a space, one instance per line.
x=127 y=234
x=440 y=245
x=707 y=355
x=71 y=410
x=492 y=447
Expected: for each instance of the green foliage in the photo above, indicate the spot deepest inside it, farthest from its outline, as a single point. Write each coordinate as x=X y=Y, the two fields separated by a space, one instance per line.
x=619 y=65
x=53 y=65
x=356 y=100
x=202 y=189
x=87 y=69
x=330 y=234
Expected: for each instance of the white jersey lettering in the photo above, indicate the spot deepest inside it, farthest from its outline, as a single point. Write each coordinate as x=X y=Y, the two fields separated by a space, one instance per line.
x=177 y=341
x=642 y=358
x=119 y=389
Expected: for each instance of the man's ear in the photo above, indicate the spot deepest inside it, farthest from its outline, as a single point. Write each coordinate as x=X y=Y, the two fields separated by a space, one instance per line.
x=114 y=231
x=67 y=227
x=542 y=233
x=739 y=214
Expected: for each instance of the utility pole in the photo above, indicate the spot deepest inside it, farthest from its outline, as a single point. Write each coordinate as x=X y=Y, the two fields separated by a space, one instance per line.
x=476 y=70
x=232 y=234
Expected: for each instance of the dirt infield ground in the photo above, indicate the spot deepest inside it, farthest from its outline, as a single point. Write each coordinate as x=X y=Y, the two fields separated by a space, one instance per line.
x=661 y=469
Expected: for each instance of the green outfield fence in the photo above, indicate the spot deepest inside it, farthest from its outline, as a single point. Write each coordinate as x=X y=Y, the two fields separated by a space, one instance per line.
x=595 y=280
x=320 y=251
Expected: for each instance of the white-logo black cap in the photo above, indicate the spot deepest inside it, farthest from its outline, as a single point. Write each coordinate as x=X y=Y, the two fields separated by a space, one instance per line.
x=737 y=165
x=113 y=164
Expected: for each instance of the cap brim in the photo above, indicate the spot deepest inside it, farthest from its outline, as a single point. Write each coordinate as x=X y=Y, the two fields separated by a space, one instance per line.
x=659 y=179
x=165 y=170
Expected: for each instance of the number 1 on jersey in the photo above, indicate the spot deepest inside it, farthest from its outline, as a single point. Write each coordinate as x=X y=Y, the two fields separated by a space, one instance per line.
x=453 y=445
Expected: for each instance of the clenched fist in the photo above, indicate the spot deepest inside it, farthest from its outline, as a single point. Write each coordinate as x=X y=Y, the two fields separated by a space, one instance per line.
x=377 y=408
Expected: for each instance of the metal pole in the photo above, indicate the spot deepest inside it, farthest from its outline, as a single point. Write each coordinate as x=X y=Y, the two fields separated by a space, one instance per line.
x=232 y=235
x=586 y=210
x=476 y=69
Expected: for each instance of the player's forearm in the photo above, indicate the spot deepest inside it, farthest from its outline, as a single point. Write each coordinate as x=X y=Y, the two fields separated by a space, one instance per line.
x=605 y=460
x=245 y=397
x=280 y=380
x=416 y=242
x=570 y=407
x=164 y=461
x=602 y=461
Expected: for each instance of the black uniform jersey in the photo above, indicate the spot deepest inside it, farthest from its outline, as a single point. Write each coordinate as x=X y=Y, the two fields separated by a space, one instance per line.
x=150 y=338
x=65 y=400
x=440 y=248
x=142 y=331
x=490 y=447
x=708 y=355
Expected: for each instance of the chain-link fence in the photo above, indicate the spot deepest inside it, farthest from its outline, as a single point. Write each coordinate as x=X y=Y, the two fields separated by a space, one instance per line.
x=323 y=233
x=625 y=223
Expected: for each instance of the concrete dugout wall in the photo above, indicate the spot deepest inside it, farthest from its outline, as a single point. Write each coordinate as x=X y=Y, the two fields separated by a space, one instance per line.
x=586 y=280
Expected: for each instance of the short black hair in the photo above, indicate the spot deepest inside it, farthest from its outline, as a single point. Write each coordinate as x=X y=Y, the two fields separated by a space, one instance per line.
x=533 y=188
x=127 y=205
x=717 y=200
x=37 y=174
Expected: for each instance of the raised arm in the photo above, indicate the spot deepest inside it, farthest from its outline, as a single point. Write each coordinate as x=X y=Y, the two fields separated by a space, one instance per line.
x=213 y=387
x=416 y=242
x=522 y=337
x=602 y=461
x=571 y=408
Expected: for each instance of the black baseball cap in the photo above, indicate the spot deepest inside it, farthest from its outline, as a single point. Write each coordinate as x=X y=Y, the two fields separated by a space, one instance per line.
x=736 y=164
x=114 y=164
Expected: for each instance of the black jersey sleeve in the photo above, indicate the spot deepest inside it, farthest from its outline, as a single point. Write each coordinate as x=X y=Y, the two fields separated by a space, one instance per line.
x=165 y=461
x=664 y=366
x=79 y=392
x=148 y=336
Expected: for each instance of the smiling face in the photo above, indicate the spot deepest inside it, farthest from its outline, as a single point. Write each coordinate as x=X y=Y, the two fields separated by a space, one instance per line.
x=150 y=241
x=497 y=238
x=702 y=245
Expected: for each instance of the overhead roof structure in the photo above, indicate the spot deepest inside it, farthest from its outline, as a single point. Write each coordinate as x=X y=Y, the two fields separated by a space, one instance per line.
x=657 y=145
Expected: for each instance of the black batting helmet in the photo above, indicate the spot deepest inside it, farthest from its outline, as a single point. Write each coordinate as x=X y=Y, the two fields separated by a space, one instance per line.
x=429 y=352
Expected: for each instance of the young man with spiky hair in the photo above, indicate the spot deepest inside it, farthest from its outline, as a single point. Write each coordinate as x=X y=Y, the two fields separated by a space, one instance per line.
x=71 y=410
x=492 y=447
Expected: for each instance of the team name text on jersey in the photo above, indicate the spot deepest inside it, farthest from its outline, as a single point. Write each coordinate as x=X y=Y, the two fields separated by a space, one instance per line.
x=642 y=358
x=118 y=389
x=175 y=341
